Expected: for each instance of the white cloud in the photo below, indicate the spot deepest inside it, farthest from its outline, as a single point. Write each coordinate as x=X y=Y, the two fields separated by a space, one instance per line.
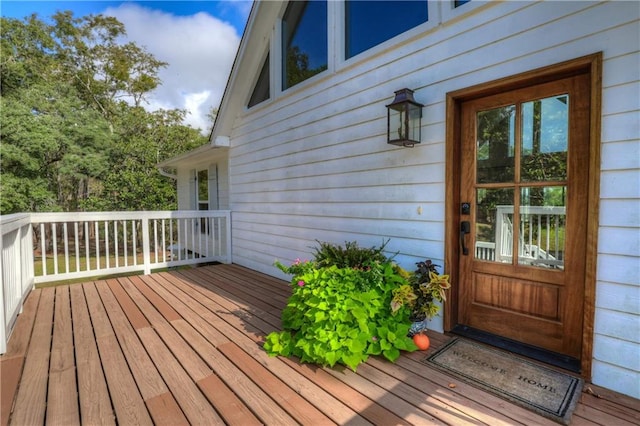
x=199 y=50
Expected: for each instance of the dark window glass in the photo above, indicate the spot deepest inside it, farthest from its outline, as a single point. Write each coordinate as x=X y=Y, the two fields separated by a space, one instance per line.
x=369 y=23
x=304 y=37
x=458 y=3
x=262 y=89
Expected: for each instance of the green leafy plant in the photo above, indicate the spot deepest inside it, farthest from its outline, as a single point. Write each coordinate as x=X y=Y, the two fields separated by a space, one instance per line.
x=424 y=288
x=348 y=256
x=342 y=314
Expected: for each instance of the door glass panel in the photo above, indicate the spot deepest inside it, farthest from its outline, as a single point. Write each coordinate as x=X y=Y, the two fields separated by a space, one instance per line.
x=495 y=145
x=542 y=226
x=545 y=133
x=493 y=227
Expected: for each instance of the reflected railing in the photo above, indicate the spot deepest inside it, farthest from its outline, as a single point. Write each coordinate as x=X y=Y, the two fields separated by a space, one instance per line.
x=541 y=237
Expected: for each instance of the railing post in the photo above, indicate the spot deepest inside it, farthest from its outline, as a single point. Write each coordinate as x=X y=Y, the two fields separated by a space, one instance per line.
x=146 y=245
x=26 y=248
x=228 y=236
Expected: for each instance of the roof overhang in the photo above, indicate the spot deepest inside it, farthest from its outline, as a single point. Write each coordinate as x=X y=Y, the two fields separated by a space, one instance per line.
x=201 y=154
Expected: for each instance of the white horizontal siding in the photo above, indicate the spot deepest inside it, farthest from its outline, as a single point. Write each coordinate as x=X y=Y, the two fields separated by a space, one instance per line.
x=616 y=346
x=623 y=154
x=618 y=269
x=312 y=164
x=618 y=297
x=223 y=183
x=617 y=352
x=623 y=380
x=619 y=213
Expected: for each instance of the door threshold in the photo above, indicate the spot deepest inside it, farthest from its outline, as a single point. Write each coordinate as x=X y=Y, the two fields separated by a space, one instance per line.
x=552 y=358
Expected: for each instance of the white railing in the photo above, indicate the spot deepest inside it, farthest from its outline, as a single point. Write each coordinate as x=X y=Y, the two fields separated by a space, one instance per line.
x=46 y=247
x=16 y=270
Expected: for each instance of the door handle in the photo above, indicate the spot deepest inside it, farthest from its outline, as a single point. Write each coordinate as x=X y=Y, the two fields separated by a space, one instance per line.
x=465 y=228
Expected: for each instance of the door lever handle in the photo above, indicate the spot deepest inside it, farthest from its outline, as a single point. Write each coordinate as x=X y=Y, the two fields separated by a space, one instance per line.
x=465 y=228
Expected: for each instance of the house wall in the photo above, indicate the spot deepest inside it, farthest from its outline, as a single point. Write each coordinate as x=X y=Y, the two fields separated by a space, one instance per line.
x=312 y=163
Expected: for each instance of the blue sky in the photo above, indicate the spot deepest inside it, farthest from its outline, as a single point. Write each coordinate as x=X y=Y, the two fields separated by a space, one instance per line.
x=234 y=12
x=198 y=39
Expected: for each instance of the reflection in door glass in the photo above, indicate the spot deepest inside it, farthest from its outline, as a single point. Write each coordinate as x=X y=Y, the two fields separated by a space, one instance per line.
x=494 y=229
x=542 y=226
x=495 y=145
x=545 y=135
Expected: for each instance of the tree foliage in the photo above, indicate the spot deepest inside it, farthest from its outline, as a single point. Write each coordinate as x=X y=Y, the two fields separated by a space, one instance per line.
x=74 y=134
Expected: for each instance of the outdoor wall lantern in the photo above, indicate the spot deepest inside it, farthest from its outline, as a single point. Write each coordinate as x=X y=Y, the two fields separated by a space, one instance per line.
x=404 y=119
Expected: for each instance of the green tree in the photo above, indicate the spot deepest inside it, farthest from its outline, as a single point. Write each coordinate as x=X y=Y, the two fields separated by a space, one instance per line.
x=298 y=66
x=143 y=139
x=73 y=129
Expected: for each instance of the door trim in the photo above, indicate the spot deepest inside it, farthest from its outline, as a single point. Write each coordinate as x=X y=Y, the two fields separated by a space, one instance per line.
x=591 y=65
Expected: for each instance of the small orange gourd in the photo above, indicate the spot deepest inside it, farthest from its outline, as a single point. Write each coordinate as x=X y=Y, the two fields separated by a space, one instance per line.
x=422 y=341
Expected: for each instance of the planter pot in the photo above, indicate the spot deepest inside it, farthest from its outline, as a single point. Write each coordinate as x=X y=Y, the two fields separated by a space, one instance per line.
x=418 y=326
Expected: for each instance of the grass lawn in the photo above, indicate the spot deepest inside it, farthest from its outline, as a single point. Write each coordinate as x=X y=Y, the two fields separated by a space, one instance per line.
x=93 y=262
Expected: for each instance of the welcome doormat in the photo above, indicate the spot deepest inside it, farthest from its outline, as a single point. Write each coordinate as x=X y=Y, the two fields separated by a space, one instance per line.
x=548 y=392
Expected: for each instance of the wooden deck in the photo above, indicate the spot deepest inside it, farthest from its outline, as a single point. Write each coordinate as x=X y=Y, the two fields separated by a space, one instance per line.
x=184 y=347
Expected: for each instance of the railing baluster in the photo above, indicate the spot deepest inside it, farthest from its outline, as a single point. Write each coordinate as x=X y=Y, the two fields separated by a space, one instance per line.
x=155 y=240
x=97 y=242
x=557 y=237
x=115 y=242
x=163 y=230
x=125 y=241
x=548 y=241
x=171 y=242
x=66 y=247
x=43 y=252
x=199 y=230
x=215 y=225
x=77 y=244
x=146 y=249
x=194 y=230
x=86 y=245
x=134 y=226
x=538 y=233
x=208 y=236
x=186 y=238
x=106 y=244
x=54 y=239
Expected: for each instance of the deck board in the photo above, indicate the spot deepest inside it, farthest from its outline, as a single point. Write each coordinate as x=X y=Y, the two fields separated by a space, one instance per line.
x=185 y=347
x=128 y=404
x=119 y=307
x=94 y=401
x=12 y=362
x=62 y=400
x=31 y=400
x=288 y=398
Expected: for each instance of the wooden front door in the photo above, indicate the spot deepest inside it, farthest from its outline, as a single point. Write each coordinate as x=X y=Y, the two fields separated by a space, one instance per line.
x=523 y=180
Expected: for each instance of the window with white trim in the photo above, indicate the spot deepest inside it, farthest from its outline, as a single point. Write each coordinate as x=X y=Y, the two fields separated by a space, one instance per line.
x=369 y=23
x=304 y=41
x=262 y=89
